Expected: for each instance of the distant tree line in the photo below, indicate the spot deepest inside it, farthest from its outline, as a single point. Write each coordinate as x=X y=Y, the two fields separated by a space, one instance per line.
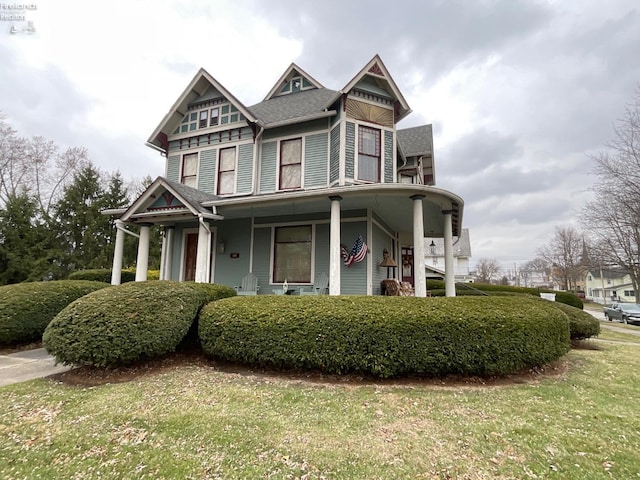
x=50 y=210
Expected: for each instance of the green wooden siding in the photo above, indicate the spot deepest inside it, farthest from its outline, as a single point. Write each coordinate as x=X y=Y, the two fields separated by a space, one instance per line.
x=349 y=150
x=388 y=157
x=268 y=167
x=237 y=239
x=353 y=279
x=322 y=249
x=207 y=171
x=334 y=160
x=173 y=168
x=380 y=241
x=315 y=160
x=244 y=177
x=261 y=258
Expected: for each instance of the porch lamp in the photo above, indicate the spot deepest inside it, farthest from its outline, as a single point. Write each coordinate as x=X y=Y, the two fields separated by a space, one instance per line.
x=432 y=247
x=387 y=261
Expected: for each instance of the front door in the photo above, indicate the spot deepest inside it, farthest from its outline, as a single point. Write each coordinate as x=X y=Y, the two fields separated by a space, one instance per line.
x=190 y=253
x=407 y=264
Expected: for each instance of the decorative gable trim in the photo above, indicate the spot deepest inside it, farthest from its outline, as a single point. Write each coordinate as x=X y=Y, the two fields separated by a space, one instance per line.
x=198 y=86
x=377 y=69
x=289 y=73
x=161 y=197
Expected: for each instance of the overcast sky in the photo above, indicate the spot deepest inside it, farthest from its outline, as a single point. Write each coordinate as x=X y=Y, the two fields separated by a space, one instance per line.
x=519 y=92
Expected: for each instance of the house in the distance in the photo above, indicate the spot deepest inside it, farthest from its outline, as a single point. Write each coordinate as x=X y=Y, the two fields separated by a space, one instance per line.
x=435 y=258
x=609 y=285
x=284 y=189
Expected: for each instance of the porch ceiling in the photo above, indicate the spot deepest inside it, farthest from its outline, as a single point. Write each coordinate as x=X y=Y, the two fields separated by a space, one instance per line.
x=391 y=202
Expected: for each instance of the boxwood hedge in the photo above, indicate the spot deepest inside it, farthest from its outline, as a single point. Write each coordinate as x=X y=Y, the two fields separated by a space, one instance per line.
x=27 y=308
x=125 y=323
x=386 y=336
x=581 y=324
x=463 y=289
x=104 y=275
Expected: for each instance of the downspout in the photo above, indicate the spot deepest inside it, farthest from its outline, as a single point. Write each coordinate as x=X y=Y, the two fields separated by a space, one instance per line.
x=258 y=144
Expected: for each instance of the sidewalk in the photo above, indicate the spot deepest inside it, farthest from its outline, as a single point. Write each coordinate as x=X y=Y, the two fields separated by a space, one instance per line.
x=27 y=365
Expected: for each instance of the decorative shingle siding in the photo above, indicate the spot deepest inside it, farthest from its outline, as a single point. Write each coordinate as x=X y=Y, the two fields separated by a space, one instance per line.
x=173 y=168
x=388 y=157
x=334 y=161
x=315 y=160
x=214 y=138
x=244 y=176
x=349 y=150
x=207 y=171
x=268 y=167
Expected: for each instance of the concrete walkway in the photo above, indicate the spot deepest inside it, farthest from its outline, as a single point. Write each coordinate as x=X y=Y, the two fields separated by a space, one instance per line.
x=27 y=365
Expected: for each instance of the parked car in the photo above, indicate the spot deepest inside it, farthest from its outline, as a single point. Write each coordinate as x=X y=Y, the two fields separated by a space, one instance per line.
x=623 y=312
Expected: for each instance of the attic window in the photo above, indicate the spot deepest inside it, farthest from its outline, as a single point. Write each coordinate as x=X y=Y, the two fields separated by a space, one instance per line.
x=296 y=84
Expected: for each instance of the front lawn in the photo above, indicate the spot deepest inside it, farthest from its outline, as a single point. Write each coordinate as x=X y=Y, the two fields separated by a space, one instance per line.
x=199 y=420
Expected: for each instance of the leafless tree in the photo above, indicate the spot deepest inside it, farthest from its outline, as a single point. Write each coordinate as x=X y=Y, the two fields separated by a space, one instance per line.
x=612 y=219
x=564 y=254
x=486 y=269
x=35 y=166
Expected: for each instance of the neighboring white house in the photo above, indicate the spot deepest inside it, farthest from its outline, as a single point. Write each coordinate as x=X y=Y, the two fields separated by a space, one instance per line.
x=434 y=258
x=615 y=283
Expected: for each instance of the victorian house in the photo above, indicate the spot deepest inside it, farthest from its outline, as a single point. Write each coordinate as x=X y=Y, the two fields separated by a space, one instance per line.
x=284 y=188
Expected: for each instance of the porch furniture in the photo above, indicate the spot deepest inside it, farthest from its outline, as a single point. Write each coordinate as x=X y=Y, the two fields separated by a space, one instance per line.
x=248 y=286
x=318 y=288
x=393 y=288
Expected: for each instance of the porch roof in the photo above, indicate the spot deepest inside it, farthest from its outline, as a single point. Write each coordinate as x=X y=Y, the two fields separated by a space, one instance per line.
x=392 y=202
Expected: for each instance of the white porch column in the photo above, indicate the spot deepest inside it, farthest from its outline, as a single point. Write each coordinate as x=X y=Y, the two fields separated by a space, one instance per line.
x=142 y=261
x=116 y=269
x=334 y=247
x=203 y=253
x=419 y=274
x=168 y=252
x=449 y=274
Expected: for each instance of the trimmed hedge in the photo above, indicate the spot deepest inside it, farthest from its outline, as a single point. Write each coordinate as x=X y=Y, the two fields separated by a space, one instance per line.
x=27 y=308
x=125 y=323
x=581 y=324
x=104 y=275
x=101 y=275
x=386 y=336
x=568 y=298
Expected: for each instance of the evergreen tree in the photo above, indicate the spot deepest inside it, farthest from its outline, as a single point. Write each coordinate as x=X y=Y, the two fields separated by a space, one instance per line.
x=25 y=242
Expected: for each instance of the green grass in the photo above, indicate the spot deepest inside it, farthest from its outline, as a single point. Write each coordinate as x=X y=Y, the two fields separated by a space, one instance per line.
x=194 y=421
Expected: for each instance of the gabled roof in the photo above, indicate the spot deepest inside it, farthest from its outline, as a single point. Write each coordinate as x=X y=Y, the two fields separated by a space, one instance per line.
x=199 y=86
x=154 y=201
x=375 y=70
x=299 y=106
x=416 y=141
x=292 y=71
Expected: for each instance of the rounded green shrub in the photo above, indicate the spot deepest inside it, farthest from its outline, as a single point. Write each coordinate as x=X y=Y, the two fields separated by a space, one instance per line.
x=581 y=324
x=27 y=308
x=386 y=336
x=102 y=275
x=568 y=298
x=125 y=323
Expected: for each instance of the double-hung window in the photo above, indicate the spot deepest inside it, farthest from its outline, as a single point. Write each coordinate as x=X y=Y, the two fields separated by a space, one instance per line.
x=292 y=254
x=189 y=176
x=368 y=154
x=227 y=171
x=291 y=164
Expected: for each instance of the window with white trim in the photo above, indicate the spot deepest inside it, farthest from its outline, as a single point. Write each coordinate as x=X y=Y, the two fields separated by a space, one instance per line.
x=227 y=171
x=368 y=154
x=292 y=254
x=290 y=164
x=189 y=170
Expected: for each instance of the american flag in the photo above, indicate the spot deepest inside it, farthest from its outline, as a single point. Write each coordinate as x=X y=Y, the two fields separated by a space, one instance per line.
x=357 y=253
